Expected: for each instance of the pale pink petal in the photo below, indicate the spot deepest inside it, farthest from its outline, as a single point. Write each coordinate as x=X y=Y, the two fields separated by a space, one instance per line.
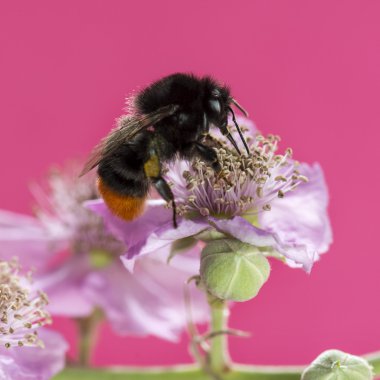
x=244 y=231
x=166 y=234
x=135 y=233
x=65 y=286
x=27 y=238
x=34 y=363
x=300 y=220
x=151 y=300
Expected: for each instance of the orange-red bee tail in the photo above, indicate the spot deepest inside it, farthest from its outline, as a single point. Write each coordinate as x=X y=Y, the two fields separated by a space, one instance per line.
x=123 y=206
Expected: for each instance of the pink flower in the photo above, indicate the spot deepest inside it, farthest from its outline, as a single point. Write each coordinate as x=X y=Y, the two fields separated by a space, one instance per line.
x=267 y=200
x=78 y=264
x=26 y=350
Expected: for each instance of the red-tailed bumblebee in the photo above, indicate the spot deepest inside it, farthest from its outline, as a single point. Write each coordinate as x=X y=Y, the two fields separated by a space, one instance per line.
x=170 y=118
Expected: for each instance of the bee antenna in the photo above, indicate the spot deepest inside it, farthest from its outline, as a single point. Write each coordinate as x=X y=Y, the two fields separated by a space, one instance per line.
x=239 y=130
x=237 y=105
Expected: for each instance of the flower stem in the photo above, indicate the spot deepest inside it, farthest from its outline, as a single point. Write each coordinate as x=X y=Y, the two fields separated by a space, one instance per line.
x=218 y=356
x=87 y=327
x=238 y=372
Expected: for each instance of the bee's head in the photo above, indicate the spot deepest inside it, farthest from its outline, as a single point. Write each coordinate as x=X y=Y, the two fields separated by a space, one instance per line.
x=217 y=103
x=218 y=110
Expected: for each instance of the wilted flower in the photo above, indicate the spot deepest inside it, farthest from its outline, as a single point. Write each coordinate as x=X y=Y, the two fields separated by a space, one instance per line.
x=26 y=350
x=78 y=263
x=266 y=199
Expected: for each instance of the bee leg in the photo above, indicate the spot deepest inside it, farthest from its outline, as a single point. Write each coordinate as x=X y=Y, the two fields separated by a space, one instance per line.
x=152 y=169
x=209 y=155
x=165 y=191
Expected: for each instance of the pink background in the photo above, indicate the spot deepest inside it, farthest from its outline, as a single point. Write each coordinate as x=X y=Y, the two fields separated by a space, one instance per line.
x=306 y=70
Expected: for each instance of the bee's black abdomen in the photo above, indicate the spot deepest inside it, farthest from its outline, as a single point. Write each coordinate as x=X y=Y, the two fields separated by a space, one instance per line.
x=123 y=184
x=123 y=170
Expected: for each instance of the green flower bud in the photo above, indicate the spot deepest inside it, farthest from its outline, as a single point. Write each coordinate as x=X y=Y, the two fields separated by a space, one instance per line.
x=337 y=365
x=232 y=270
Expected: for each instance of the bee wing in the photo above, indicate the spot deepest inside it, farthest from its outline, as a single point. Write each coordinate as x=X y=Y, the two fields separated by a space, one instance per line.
x=128 y=127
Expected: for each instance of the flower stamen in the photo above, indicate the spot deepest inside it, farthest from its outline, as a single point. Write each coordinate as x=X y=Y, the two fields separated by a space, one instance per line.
x=22 y=309
x=245 y=184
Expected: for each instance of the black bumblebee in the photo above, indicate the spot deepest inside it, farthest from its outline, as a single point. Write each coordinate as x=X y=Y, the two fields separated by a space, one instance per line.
x=169 y=118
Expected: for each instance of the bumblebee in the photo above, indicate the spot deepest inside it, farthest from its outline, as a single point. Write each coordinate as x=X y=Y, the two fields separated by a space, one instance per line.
x=170 y=118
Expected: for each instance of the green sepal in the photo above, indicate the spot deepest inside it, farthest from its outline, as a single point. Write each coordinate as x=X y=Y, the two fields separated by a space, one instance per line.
x=181 y=246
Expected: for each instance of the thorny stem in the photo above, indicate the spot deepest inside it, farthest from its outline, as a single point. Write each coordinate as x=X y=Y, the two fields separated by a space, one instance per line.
x=88 y=328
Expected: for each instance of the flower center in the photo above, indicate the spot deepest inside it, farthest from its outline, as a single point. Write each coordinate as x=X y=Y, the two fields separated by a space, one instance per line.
x=100 y=258
x=246 y=184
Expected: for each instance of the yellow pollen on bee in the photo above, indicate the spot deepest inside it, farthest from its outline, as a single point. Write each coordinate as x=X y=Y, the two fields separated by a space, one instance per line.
x=152 y=167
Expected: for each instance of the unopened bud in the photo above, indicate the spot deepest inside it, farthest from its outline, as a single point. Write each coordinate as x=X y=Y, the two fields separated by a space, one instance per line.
x=232 y=270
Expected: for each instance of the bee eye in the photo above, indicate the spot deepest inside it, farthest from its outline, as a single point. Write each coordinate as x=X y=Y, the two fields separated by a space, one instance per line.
x=215 y=106
x=215 y=93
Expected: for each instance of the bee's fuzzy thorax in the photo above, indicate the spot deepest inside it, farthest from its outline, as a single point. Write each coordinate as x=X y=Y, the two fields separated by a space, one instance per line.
x=179 y=88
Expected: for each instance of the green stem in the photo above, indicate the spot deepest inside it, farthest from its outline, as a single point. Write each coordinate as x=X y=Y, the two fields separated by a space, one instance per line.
x=238 y=372
x=218 y=357
x=87 y=327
